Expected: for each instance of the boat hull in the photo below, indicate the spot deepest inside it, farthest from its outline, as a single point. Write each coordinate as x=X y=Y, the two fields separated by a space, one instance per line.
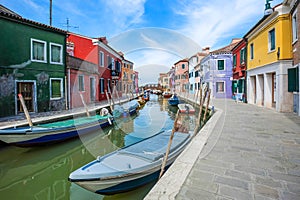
x=38 y=136
x=117 y=178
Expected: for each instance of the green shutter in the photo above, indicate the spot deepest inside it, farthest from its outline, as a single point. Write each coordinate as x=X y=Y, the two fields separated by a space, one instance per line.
x=293 y=79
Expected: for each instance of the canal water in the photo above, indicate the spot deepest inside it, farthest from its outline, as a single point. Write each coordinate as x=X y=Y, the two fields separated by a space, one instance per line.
x=42 y=172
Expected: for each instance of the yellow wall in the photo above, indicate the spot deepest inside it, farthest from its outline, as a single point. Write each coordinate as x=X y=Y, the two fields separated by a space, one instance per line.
x=262 y=56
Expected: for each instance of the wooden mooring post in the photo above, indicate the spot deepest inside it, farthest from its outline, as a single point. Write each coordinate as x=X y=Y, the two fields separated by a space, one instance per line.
x=207 y=105
x=85 y=106
x=165 y=159
x=25 y=110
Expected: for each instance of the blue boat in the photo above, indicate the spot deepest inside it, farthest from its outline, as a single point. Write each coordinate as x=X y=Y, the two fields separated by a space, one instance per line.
x=53 y=132
x=132 y=166
x=174 y=100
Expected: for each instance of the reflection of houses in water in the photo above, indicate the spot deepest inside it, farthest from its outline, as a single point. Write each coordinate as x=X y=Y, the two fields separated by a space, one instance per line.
x=42 y=173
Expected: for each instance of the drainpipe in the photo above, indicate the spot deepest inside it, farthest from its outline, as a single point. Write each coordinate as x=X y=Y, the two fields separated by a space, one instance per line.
x=69 y=90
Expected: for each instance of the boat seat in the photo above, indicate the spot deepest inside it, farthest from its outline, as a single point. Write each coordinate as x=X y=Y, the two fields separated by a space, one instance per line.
x=154 y=149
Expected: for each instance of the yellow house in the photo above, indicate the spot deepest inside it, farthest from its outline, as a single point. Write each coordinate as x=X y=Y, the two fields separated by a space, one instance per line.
x=269 y=55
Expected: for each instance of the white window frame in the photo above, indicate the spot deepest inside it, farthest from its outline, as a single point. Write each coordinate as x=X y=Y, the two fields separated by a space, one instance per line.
x=217 y=67
x=60 y=53
x=223 y=87
x=61 y=88
x=269 y=40
x=295 y=30
x=32 y=40
x=101 y=63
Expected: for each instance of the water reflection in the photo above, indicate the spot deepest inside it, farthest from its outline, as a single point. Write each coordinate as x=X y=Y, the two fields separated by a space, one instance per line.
x=42 y=172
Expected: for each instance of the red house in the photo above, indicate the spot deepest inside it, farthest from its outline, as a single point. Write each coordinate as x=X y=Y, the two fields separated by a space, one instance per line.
x=239 y=70
x=96 y=67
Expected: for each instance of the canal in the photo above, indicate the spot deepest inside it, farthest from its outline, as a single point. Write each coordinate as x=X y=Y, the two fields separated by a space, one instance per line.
x=42 y=172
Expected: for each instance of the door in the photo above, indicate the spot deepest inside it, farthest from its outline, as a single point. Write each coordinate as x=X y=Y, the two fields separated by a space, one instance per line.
x=26 y=89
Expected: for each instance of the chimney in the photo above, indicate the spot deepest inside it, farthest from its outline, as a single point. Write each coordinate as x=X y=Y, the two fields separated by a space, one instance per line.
x=206 y=50
x=103 y=40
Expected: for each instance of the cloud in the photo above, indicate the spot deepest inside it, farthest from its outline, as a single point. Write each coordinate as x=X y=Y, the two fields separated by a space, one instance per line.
x=125 y=13
x=209 y=22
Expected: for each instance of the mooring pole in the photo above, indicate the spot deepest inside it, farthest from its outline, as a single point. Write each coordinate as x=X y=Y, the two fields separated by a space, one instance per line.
x=84 y=104
x=25 y=110
x=165 y=159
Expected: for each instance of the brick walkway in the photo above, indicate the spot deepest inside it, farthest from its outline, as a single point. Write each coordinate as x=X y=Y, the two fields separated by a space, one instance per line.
x=244 y=152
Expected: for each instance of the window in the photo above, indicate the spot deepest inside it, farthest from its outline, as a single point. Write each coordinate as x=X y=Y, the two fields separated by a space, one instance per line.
x=81 y=83
x=56 y=88
x=251 y=51
x=221 y=64
x=101 y=85
x=101 y=59
x=243 y=55
x=183 y=66
x=293 y=79
x=272 y=40
x=109 y=62
x=295 y=26
x=56 y=53
x=38 y=51
x=220 y=87
x=234 y=60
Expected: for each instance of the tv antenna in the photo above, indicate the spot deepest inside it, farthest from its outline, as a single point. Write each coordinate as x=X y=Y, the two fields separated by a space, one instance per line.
x=69 y=26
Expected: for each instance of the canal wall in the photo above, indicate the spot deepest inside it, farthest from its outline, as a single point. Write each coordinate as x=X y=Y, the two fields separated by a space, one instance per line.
x=243 y=152
x=44 y=117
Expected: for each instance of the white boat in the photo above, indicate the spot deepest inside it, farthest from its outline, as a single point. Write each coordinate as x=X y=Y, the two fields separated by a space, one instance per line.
x=186 y=108
x=131 y=166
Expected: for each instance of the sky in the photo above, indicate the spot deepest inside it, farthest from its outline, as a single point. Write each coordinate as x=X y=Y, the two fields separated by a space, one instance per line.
x=153 y=34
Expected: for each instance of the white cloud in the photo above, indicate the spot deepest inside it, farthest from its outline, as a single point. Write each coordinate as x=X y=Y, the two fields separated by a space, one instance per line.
x=208 y=22
x=125 y=13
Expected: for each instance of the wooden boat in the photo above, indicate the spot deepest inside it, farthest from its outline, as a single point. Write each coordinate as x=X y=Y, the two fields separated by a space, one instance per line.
x=53 y=132
x=127 y=109
x=174 y=100
x=186 y=108
x=131 y=166
x=131 y=107
x=141 y=101
x=167 y=94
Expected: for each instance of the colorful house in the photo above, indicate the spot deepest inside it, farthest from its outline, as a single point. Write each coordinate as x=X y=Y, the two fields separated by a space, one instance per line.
x=216 y=71
x=93 y=84
x=181 y=76
x=127 y=77
x=32 y=62
x=294 y=71
x=269 y=56
x=194 y=70
x=239 y=70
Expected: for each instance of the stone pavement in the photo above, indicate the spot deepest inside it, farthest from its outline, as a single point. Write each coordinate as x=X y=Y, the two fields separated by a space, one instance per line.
x=244 y=152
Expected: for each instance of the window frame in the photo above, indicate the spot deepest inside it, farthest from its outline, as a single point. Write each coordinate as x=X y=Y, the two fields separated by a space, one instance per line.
x=101 y=87
x=32 y=40
x=60 y=53
x=79 y=85
x=271 y=46
x=217 y=64
x=217 y=86
x=295 y=30
x=101 y=59
x=61 y=88
x=251 y=51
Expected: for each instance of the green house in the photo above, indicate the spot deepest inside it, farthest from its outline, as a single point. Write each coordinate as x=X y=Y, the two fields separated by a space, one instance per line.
x=32 y=62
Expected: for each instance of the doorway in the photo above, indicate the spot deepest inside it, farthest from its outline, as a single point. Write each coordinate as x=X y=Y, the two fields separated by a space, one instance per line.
x=27 y=91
